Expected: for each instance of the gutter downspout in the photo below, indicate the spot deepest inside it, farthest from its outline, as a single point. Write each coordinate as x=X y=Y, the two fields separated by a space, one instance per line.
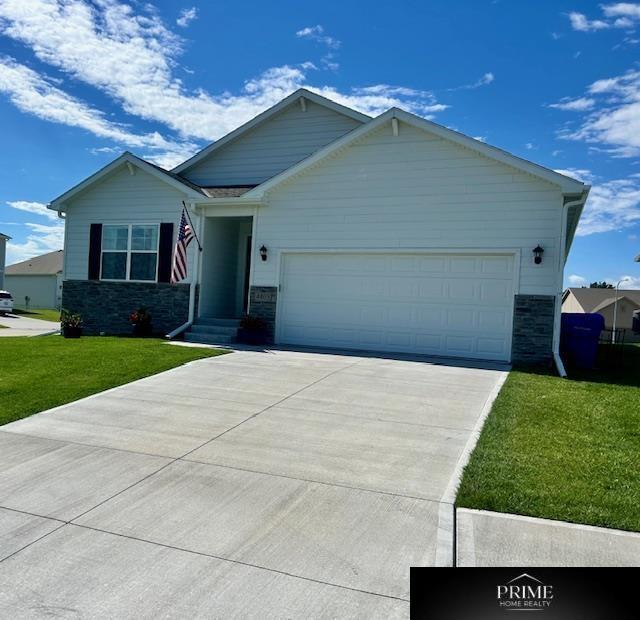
x=562 y=260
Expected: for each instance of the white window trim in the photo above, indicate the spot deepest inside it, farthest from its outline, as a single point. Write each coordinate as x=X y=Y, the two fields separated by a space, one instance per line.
x=129 y=251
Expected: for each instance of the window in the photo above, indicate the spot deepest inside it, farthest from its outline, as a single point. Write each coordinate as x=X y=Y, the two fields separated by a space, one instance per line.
x=130 y=252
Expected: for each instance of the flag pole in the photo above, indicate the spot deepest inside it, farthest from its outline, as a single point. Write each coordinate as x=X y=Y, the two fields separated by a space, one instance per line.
x=193 y=228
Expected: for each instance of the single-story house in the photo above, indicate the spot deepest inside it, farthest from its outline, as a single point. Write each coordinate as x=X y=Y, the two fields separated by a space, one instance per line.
x=39 y=279
x=602 y=301
x=3 y=254
x=340 y=230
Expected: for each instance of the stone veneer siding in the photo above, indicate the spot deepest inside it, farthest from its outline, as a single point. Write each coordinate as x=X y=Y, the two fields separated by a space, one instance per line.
x=262 y=303
x=533 y=317
x=106 y=306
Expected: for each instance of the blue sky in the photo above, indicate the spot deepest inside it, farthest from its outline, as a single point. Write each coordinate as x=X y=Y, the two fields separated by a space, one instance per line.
x=557 y=82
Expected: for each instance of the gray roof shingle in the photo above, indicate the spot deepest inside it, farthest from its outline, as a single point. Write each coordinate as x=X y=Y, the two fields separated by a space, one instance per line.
x=46 y=264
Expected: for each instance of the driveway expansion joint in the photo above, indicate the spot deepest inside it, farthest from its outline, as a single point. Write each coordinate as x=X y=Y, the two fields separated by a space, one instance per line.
x=232 y=561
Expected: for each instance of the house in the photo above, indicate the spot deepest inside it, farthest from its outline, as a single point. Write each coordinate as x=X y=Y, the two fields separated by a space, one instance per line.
x=39 y=279
x=3 y=254
x=339 y=230
x=602 y=301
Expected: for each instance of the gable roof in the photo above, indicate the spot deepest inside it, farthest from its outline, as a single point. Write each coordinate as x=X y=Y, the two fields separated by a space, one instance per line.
x=594 y=299
x=568 y=185
x=3 y=236
x=301 y=93
x=128 y=158
x=45 y=264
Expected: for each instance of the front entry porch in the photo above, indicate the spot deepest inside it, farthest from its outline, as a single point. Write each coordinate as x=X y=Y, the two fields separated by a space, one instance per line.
x=224 y=279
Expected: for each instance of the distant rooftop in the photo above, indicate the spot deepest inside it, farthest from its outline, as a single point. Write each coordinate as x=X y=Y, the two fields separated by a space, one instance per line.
x=594 y=299
x=43 y=265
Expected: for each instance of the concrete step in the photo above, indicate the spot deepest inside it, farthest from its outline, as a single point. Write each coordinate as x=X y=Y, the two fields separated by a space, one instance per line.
x=209 y=338
x=206 y=320
x=197 y=328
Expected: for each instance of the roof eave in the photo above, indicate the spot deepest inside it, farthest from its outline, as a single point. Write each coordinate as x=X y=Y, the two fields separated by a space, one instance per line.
x=59 y=203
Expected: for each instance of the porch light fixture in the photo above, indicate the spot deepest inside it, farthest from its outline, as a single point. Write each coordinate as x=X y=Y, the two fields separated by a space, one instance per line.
x=263 y=253
x=537 y=254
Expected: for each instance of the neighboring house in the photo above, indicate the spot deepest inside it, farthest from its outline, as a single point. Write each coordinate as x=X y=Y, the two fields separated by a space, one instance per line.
x=39 y=278
x=340 y=230
x=602 y=301
x=3 y=254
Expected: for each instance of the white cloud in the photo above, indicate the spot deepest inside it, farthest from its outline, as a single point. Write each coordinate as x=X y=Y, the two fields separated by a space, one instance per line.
x=132 y=57
x=576 y=280
x=623 y=15
x=39 y=208
x=580 y=22
x=579 y=105
x=41 y=240
x=187 y=16
x=613 y=122
x=37 y=95
x=612 y=205
x=317 y=33
x=622 y=9
x=630 y=282
x=486 y=79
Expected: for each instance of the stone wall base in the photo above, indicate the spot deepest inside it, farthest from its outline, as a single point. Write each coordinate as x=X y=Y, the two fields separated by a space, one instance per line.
x=533 y=317
x=262 y=303
x=105 y=306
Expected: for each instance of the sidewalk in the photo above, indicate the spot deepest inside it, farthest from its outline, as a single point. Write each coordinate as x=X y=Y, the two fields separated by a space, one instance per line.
x=25 y=326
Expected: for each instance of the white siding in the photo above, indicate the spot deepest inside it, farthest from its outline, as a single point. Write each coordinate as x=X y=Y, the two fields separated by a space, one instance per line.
x=3 y=249
x=272 y=147
x=42 y=290
x=121 y=198
x=414 y=191
x=571 y=304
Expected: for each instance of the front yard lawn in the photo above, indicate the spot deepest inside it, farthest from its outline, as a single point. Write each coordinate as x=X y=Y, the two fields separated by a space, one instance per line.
x=44 y=314
x=43 y=372
x=565 y=449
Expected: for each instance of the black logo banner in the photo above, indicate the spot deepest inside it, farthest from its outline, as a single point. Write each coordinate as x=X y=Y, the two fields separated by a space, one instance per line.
x=525 y=593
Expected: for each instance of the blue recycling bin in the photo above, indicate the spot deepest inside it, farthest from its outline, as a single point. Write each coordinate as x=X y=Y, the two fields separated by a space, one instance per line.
x=579 y=337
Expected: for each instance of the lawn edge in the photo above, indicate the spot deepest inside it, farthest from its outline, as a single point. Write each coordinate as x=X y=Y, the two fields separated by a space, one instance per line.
x=451 y=493
x=558 y=522
x=114 y=388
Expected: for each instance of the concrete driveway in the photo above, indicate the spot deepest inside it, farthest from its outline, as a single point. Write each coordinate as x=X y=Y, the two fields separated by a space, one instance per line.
x=25 y=326
x=258 y=484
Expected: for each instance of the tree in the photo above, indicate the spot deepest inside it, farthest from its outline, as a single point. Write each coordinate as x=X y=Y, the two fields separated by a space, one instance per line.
x=602 y=284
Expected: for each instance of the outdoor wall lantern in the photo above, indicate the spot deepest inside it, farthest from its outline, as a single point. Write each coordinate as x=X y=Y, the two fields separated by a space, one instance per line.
x=537 y=254
x=263 y=253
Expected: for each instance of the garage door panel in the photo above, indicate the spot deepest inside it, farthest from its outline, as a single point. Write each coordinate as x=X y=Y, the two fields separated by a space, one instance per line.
x=496 y=265
x=439 y=304
x=463 y=264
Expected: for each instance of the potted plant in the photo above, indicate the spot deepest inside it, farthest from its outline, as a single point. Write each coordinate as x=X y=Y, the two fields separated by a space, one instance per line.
x=253 y=330
x=140 y=319
x=70 y=324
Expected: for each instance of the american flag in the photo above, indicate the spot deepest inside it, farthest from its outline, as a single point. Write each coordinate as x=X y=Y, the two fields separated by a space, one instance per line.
x=185 y=236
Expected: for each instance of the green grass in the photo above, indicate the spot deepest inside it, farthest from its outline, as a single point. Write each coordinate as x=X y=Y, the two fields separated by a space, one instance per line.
x=565 y=449
x=43 y=372
x=44 y=314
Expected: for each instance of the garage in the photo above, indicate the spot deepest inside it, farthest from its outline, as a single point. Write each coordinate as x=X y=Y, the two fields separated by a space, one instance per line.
x=449 y=304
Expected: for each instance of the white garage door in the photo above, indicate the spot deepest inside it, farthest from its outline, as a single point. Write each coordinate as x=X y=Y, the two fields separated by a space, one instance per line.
x=446 y=304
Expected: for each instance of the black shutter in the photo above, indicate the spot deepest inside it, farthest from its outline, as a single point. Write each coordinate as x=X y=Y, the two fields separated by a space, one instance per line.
x=165 y=248
x=95 y=247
